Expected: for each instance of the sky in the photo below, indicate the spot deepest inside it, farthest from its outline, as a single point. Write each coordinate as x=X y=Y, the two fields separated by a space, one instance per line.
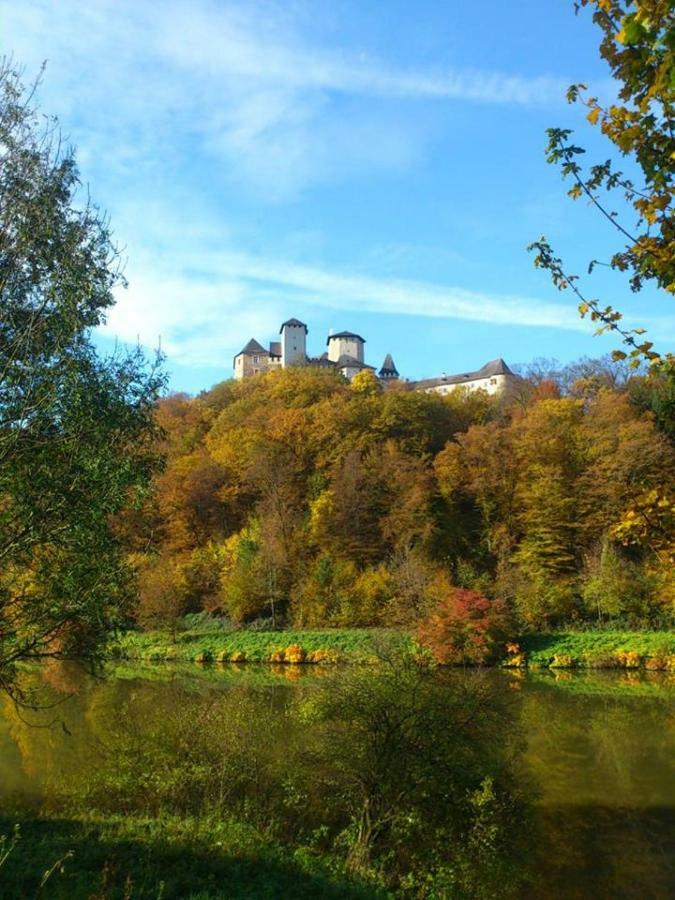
x=374 y=166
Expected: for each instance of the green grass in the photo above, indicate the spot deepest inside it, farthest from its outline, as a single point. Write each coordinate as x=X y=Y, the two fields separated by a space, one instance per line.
x=355 y=645
x=573 y=649
x=166 y=857
x=600 y=649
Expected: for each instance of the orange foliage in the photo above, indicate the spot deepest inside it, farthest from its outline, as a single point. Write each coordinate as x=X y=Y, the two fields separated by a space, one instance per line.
x=465 y=628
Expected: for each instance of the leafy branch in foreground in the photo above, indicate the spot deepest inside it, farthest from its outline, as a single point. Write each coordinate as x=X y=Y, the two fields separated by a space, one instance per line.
x=76 y=429
x=608 y=317
x=638 y=43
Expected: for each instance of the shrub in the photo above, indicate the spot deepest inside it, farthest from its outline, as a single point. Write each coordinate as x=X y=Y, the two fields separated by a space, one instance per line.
x=204 y=656
x=599 y=660
x=563 y=661
x=465 y=628
x=323 y=657
x=277 y=656
x=628 y=659
x=294 y=654
x=658 y=659
x=515 y=657
x=515 y=661
x=238 y=657
x=656 y=663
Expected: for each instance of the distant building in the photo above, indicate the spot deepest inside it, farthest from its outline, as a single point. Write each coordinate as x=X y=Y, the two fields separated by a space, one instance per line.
x=494 y=377
x=346 y=354
x=388 y=372
x=293 y=343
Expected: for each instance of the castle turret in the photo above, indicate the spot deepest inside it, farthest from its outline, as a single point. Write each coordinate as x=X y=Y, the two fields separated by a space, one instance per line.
x=293 y=343
x=345 y=343
x=388 y=372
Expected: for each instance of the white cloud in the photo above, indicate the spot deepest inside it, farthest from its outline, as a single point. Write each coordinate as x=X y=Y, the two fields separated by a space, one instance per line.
x=170 y=101
x=205 y=318
x=146 y=85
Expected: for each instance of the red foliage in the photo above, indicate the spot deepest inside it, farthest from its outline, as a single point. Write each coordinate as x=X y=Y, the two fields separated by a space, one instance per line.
x=465 y=628
x=545 y=390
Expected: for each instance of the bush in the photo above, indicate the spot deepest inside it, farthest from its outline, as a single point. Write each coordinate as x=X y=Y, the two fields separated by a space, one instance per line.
x=465 y=628
x=294 y=654
x=563 y=661
x=628 y=659
x=323 y=657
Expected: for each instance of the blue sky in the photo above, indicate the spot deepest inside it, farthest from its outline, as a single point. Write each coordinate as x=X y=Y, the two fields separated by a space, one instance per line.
x=365 y=165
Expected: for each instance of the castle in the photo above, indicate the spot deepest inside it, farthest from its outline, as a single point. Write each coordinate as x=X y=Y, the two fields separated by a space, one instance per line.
x=345 y=354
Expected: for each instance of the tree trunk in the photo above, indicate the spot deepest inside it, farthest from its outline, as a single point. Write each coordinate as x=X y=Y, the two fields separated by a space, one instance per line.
x=359 y=856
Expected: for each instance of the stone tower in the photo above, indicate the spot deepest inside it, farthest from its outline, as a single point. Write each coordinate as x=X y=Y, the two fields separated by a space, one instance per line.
x=293 y=343
x=345 y=343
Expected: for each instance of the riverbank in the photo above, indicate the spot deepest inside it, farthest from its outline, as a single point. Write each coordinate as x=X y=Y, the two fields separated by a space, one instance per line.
x=324 y=647
x=651 y=650
x=86 y=855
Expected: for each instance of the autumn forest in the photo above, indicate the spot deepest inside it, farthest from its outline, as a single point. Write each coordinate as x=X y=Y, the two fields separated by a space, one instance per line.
x=298 y=498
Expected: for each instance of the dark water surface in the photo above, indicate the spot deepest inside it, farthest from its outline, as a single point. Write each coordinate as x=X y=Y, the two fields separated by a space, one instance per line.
x=600 y=755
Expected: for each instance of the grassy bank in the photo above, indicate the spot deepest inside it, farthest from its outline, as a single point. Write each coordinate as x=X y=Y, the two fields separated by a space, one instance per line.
x=332 y=646
x=161 y=857
x=651 y=650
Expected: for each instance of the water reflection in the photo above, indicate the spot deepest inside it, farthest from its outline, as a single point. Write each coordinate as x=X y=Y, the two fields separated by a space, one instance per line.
x=595 y=753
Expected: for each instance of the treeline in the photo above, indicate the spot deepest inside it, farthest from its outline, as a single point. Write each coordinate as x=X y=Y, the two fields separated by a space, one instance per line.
x=304 y=499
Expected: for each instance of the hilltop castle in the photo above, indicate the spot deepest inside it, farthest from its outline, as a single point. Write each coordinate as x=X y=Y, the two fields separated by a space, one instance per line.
x=345 y=354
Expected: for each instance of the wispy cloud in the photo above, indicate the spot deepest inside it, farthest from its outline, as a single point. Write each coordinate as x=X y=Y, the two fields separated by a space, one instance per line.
x=242 y=82
x=207 y=304
x=183 y=107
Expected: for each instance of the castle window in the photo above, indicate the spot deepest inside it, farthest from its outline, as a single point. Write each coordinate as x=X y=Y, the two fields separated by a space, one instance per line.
x=493 y=381
x=255 y=360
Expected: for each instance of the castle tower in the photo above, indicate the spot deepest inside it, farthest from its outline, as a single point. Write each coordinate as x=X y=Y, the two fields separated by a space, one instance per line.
x=293 y=343
x=388 y=372
x=345 y=343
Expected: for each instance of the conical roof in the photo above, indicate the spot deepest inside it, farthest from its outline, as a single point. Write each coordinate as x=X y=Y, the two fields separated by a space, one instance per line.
x=388 y=369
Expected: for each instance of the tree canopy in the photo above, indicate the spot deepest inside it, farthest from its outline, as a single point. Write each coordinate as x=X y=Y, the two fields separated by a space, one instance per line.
x=296 y=496
x=76 y=428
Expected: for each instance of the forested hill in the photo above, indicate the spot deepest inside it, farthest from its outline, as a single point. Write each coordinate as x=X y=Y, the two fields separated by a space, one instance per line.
x=300 y=496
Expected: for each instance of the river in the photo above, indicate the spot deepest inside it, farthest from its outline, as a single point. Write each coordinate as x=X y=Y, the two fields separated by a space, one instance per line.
x=598 y=752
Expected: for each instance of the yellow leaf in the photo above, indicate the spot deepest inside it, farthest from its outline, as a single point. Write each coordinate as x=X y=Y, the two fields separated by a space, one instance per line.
x=594 y=115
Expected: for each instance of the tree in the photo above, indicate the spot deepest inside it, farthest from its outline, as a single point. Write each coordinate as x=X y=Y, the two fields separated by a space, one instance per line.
x=465 y=628
x=163 y=596
x=637 y=44
x=405 y=755
x=75 y=428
